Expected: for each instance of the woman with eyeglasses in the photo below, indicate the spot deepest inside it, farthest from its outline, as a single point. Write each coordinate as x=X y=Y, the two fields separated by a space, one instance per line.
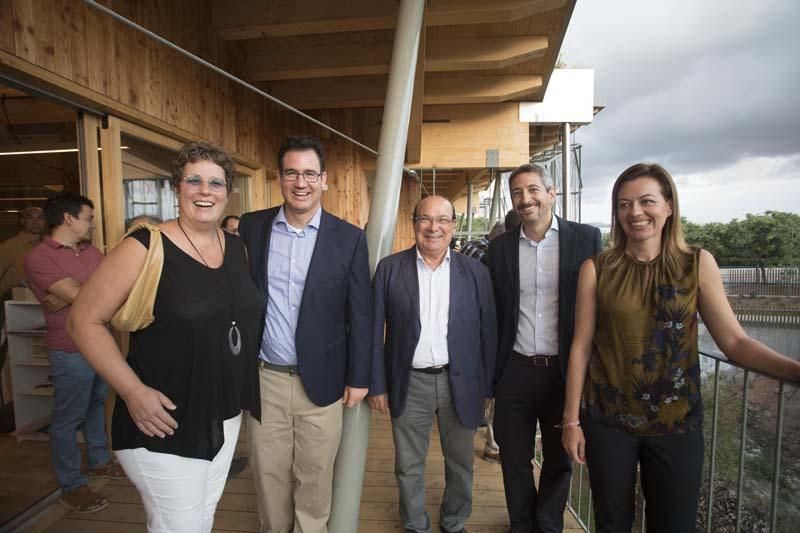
x=191 y=373
x=635 y=359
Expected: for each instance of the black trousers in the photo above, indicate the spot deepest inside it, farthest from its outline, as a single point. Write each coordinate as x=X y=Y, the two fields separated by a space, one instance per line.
x=671 y=468
x=527 y=395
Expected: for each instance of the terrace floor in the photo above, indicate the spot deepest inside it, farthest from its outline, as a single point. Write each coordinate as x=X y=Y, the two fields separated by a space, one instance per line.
x=237 y=508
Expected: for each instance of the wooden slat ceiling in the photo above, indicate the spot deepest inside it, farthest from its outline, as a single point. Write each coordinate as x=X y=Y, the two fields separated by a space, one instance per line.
x=326 y=54
x=318 y=54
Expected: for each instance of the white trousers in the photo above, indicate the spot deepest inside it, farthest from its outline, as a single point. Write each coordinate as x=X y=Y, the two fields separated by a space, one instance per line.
x=180 y=494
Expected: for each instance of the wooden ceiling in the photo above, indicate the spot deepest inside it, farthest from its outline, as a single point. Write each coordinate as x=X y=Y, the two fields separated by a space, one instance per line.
x=324 y=54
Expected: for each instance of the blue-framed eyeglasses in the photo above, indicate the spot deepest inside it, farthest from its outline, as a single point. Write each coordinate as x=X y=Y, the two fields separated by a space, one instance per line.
x=214 y=184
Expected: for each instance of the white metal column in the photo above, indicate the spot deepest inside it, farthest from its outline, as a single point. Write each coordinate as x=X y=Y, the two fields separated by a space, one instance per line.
x=565 y=173
x=349 y=470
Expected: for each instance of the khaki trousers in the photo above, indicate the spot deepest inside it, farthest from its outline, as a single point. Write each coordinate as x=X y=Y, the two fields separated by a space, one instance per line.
x=292 y=453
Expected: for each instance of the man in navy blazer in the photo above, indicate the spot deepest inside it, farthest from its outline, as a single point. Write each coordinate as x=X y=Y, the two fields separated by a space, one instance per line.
x=534 y=269
x=313 y=271
x=436 y=360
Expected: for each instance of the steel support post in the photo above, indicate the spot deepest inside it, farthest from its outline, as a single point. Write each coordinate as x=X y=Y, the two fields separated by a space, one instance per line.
x=565 y=174
x=470 y=190
x=494 y=213
x=348 y=474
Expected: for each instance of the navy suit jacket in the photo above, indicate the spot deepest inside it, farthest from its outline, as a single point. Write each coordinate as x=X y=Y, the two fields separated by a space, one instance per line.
x=576 y=242
x=334 y=328
x=471 y=332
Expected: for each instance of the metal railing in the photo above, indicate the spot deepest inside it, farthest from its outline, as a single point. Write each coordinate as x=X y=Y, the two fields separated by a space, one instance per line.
x=761 y=281
x=579 y=501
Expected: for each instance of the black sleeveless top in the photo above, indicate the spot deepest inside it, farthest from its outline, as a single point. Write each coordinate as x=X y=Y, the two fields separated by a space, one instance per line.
x=185 y=352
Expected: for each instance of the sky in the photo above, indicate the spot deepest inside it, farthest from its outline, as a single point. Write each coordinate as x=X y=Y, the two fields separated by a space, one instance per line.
x=709 y=89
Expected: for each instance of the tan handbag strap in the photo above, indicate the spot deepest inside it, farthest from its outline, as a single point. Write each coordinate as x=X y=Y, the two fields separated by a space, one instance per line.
x=137 y=311
x=153 y=263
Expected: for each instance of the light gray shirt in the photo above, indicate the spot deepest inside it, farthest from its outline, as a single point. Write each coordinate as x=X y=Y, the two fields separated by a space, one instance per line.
x=537 y=329
x=434 y=308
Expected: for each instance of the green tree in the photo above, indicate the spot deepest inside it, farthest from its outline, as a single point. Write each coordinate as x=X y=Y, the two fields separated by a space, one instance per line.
x=768 y=239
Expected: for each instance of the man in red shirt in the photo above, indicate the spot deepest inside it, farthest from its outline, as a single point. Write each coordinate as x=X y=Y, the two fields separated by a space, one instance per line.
x=56 y=269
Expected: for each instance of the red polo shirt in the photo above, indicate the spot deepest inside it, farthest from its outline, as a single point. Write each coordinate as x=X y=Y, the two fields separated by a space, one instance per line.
x=50 y=262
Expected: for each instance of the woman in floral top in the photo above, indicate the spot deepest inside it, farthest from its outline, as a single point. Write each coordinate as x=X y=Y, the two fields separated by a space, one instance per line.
x=636 y=340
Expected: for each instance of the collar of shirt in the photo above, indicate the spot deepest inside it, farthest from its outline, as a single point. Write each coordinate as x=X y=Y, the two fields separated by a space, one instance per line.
x=52 y=243
x=280 y=218
x=553 y=227
x=422 y=263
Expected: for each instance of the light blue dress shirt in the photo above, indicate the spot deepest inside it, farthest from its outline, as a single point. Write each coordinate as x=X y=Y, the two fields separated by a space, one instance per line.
x=537 y=329
x=290 y=251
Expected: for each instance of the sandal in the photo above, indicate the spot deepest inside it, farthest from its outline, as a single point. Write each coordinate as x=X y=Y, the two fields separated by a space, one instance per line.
x=82 y=500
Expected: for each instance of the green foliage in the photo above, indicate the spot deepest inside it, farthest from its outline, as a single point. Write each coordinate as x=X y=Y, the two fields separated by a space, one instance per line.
x=480 y=225
x=769 y=239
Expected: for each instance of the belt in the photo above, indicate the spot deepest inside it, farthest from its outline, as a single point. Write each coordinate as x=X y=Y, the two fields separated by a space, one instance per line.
x=432 y=369
x=292 y=370
x=545 y=361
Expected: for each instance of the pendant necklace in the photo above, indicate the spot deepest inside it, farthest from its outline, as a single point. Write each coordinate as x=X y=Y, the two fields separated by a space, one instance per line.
x=234 y=335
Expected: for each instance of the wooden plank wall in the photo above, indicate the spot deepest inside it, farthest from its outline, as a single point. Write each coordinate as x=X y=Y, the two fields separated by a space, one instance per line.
x=145 y=79
x=404 y=230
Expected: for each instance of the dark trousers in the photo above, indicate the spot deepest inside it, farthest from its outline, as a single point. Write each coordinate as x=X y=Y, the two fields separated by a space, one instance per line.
x=525 y=395
x=671 y=467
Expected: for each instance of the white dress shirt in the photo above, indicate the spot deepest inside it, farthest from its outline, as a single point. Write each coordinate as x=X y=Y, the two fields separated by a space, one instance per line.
x=434 y=308
x=537 y=329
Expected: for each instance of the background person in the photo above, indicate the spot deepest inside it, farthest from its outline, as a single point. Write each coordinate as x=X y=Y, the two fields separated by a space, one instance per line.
x=636 y=332
x=13 y=250
x=230 y=224
x=57 y=270
x=478 y=249
x=143 y=219
x=190 y=373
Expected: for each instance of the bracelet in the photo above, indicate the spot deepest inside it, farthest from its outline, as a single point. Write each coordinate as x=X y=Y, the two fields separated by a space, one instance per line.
x=565 y=425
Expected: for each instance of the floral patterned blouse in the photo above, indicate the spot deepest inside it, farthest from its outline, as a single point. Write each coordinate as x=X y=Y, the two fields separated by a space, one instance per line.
x=644 y=373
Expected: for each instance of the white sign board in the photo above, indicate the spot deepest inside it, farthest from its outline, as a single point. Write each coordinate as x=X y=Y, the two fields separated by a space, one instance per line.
x=569 y=98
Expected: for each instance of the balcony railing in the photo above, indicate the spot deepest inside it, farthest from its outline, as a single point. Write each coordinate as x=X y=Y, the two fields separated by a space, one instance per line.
x=729 y=450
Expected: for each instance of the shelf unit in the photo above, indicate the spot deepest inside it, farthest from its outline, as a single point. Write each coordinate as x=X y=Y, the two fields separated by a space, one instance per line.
x=29 y=366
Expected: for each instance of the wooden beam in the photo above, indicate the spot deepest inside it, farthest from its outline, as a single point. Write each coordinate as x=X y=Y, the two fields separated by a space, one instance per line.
x=90 y=174
x=317 y=61
x=323 y=60
x=459 y=187
x=256 y=19
x=468 y=89
x=370 y=91
x=414 y=140
x=457 y=136
x=447 y=55
x=27 y=110
x=330 y=93
x=113 y=190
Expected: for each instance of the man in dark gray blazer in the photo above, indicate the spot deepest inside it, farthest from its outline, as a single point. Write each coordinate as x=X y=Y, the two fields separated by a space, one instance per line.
x=313 y=271
x=534 y=269
x=436 y=360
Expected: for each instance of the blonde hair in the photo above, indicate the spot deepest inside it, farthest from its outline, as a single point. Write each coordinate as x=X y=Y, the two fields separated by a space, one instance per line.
x=675 y=253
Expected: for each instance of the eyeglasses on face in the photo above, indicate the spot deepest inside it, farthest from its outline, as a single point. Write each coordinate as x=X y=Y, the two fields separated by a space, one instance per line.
x=214 y=184
x=427 y=221
x=311 y=176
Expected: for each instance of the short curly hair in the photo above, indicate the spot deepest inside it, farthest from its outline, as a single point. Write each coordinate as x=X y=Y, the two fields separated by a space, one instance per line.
x=195 y=151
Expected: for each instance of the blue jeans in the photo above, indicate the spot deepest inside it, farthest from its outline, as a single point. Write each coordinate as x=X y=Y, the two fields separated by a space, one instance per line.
x=79 y=397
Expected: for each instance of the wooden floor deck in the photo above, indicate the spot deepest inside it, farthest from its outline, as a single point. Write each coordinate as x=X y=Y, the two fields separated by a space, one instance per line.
x=237 y=508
